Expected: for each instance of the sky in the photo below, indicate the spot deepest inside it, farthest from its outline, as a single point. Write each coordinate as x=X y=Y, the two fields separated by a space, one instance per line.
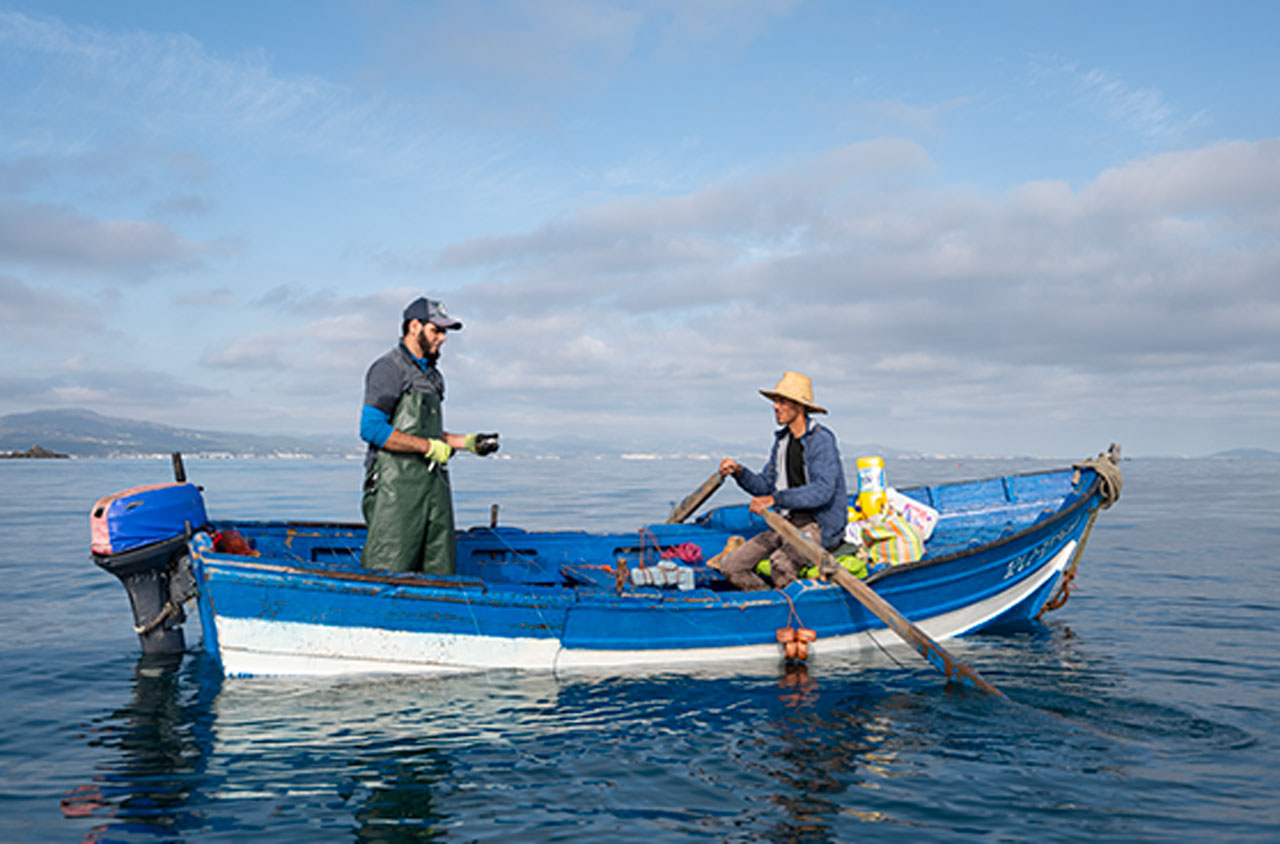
x=988 y=228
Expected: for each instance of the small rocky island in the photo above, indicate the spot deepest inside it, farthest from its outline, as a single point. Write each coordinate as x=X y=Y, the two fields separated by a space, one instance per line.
x=35 y=452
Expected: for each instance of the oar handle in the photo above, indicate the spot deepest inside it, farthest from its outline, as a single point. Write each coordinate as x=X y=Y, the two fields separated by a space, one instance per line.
x=937 y=656
x=695 y=499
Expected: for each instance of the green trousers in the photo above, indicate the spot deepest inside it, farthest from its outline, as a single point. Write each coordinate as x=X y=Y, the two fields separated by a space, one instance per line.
x=407 y=502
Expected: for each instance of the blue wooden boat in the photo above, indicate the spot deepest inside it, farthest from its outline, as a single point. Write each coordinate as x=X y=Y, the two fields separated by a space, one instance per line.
x=300 y=603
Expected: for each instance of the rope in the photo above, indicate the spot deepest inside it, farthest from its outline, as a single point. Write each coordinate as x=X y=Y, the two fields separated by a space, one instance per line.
x=872 y=636
x=1107 y=466
x=1069 y=573
x=475 y=622
x=657 y=546
x=1063 y=594
x=164 y=615
x=793 y=613
x=518 y=557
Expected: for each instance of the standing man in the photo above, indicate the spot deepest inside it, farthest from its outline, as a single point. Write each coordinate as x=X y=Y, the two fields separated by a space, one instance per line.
x=804 y=479
x=407 y=502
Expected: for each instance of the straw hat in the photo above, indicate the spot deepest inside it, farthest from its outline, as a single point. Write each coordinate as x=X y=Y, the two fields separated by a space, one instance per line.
x=796 y=387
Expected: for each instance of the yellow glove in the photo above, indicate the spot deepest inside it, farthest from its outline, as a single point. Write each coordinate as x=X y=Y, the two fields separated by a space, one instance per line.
x=440 y=452
x=482 y=444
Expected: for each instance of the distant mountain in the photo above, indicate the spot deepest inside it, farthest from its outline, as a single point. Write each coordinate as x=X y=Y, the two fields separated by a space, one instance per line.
x=84 y=433
x=1249 y=454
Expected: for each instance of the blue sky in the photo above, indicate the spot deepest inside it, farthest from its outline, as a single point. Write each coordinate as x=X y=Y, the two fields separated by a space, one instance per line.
x=987 y=228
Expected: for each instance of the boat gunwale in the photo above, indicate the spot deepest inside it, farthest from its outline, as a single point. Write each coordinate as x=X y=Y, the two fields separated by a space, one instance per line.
x=423 y=579
x=417 y=579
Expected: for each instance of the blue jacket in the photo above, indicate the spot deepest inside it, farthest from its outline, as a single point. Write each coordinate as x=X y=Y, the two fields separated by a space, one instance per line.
x=824 y=493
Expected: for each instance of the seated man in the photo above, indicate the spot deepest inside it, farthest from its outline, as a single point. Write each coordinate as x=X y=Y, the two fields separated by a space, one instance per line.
x=803 y=478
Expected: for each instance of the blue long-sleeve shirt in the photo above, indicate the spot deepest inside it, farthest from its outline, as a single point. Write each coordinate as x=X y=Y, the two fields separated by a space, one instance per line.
x=388 y=378
x=375 y=426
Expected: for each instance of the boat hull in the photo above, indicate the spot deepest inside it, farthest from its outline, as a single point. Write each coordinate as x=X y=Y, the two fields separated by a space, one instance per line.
x=302 y=613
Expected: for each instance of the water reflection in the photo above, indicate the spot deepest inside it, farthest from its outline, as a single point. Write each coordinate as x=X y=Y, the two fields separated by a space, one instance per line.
x=162 y=737
x=402 y=803
x=796 y=753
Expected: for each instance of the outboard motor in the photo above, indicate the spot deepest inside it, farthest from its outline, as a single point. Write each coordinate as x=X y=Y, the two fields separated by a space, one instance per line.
x=140 y=535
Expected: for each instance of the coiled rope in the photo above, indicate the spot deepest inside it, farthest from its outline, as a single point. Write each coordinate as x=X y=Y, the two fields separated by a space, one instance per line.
x=1107 y=465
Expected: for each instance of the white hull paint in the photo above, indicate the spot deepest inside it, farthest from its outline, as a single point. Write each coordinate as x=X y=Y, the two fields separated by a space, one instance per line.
x=255 y=647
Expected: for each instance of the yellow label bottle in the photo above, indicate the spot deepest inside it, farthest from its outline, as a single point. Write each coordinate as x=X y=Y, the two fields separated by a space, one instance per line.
x=870 y=486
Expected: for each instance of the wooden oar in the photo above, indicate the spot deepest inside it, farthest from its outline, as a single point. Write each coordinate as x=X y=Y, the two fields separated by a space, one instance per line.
x=695 y=499
x=937 y=655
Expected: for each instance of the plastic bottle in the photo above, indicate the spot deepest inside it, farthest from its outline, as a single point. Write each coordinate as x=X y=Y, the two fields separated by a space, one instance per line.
x=870 y=486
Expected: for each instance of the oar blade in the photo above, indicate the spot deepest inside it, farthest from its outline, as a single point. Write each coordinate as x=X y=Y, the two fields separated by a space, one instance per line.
x=934 y=653
x=695 y=499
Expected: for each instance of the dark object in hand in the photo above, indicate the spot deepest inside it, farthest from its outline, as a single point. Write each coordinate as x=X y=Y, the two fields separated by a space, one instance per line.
x=486 y=444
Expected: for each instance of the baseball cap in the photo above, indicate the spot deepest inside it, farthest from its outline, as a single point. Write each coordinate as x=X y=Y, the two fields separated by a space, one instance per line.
x=432 y=311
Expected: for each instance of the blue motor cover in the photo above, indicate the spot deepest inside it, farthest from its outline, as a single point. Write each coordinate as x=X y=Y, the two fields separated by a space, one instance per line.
x=145 y=515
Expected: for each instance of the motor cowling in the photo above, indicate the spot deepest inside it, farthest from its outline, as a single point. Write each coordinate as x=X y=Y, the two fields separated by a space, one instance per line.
x=140 y=535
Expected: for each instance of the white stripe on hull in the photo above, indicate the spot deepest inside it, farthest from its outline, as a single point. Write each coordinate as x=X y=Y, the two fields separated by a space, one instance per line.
x=252 y=647
x=255 y=647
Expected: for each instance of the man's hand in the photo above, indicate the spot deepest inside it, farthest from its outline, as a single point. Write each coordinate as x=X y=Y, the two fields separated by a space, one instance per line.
x=438 y=451
x=761 y=503
x=482 y=444
x=729 y=466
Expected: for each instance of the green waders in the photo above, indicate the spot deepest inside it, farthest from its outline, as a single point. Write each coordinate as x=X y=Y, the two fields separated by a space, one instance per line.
x=407 y=501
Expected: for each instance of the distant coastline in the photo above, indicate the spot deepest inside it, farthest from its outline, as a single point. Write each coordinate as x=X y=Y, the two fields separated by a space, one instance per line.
x=34 y=453
x=80 y=433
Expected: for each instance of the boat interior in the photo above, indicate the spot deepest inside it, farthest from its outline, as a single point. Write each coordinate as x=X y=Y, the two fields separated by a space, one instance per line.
x=971 y=514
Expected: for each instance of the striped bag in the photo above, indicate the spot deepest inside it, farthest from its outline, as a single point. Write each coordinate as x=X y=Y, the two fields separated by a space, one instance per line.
x=889 y=538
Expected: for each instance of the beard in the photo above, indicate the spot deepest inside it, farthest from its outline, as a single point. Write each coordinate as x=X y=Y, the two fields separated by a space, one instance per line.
x=424 y=343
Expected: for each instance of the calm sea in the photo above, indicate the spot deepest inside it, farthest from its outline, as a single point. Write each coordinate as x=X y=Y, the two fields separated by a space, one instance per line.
x=1147 y=709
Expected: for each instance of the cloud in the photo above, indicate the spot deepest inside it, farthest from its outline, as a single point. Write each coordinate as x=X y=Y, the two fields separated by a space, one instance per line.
x=23 y=174
x=139 y=69
x=822 y=229
x=1142 y=110
x=717 y=225
x=205 y=298
x=531 y=46
x=1098 y=93
x=251 y=352
x=913 y=118
x=1234 y=177
x=58 y=236
x=1156 y=280
x=689 y=25
x=136 y=393
x=336 y=334
x=24 y=308
x=550 y=51
x=922 y=311
x=182 y=205
x=169 y=89
x=171 y=112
